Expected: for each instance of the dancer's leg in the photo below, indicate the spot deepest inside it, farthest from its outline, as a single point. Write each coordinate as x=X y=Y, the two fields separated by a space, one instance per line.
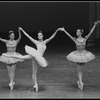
x=79 y=68
x=25 y=57
x=34 y=74
x=11 y=73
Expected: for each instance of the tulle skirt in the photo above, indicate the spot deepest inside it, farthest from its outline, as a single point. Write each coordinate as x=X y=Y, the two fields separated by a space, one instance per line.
x=33 y=52
x=80 y=56
x=10 y=60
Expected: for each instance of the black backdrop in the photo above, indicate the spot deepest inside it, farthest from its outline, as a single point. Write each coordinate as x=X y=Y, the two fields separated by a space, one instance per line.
x=44 y=16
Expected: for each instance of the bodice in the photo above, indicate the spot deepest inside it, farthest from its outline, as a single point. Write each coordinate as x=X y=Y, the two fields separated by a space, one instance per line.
x=11 y=45
x=41 y=47
x=80 y=45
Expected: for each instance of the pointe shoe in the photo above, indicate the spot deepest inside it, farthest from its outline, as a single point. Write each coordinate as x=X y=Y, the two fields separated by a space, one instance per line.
x=11 y=85
x=80 y=85
x=35 y=88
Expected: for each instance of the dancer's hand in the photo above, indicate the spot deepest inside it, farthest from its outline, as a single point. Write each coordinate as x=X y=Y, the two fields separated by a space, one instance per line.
x=61 y=29
x=20 y=28
x=96 y=22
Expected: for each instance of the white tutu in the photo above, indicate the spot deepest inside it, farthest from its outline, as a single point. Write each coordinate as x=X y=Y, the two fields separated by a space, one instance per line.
x=10 y=60
x=33 y=52
x=80 y=56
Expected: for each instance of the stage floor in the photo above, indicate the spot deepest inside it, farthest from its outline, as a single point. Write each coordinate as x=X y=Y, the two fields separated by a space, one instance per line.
x=58 y=80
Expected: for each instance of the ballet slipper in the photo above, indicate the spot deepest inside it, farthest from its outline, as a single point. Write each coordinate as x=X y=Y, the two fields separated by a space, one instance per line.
x=11 y=85
x=35 y=88
x=80 y=85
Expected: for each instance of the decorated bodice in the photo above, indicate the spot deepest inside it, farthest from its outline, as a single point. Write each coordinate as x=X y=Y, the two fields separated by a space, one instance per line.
x=80 y=44
x=41 y=47
x=11 y=45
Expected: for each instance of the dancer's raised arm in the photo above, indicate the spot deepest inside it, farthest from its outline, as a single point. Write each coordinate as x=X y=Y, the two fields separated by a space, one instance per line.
x=3 y=40
x=67 y=33
x=19 y=38
x=54 y=34
x=33 y=40
x=91 y=31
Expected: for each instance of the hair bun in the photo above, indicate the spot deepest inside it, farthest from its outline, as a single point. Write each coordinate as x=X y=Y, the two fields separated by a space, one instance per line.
x=11 y=31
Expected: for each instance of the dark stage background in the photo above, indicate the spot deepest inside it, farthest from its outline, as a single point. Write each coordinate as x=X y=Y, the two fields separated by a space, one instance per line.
x=44 y=16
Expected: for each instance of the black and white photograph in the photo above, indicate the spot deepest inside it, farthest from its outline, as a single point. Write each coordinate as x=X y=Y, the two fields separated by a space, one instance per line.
x=49 y=49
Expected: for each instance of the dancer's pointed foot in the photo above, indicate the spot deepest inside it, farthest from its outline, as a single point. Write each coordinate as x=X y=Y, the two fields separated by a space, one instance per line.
x=80 y=85
x=11 y=84
x=35 y=88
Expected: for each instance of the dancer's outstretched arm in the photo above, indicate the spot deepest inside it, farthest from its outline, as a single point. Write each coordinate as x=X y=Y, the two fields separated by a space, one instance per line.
x=19 y=38
x=3 y=40
x=54 y=34
x=91 y=31
x=73 y=38
x=33 y=40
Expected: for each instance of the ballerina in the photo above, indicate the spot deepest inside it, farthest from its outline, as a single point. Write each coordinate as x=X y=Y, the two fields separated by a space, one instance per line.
x=36 y=55
x=11 y=45
x=80 y=56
